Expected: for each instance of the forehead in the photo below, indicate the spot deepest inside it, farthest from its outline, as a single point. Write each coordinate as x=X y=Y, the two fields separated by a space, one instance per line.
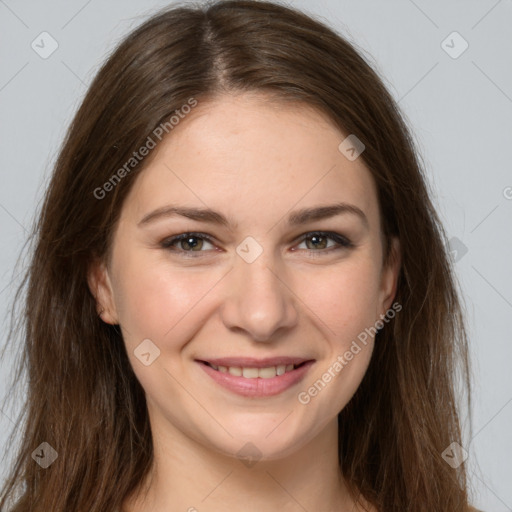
x=250 y=155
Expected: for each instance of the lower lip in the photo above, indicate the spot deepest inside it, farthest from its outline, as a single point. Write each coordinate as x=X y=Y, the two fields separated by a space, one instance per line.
x=258 y=387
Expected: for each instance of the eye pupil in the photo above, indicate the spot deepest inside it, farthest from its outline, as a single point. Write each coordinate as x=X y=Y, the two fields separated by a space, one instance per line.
x=190 y=244
x=314 y=239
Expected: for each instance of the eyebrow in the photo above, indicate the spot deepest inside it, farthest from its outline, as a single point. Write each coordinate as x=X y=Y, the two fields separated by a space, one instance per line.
x=295 y=218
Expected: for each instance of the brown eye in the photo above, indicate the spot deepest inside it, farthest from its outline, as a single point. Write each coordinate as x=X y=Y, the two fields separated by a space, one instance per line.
x=186 y=243
x=319 y=241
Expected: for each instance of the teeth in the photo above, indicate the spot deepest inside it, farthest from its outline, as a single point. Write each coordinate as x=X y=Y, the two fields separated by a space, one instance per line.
x=253 y=373
x=250 y=373
x=266 y=373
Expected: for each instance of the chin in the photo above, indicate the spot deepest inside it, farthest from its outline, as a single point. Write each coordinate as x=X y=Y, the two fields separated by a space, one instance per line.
x=264 y=440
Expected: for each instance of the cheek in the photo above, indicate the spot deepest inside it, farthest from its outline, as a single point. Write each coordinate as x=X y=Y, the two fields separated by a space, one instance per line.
x=154 y=299
x=345 y=298
x=347 y=306
x=158 y=302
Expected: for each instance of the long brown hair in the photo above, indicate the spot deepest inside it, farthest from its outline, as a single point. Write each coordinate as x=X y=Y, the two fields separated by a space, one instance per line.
x=83 y=396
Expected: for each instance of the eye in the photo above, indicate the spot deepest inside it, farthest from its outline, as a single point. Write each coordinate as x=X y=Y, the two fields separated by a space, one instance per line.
x=318 y=241
x=187 y=243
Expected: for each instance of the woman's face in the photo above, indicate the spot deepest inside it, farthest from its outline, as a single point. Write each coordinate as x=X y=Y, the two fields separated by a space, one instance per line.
x=253 y=290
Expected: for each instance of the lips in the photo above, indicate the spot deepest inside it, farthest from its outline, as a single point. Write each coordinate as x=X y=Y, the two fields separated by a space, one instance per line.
x=256 y=377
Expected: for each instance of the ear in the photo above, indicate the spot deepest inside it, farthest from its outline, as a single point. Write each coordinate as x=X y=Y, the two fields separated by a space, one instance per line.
x=101 y=287
x=389 y=276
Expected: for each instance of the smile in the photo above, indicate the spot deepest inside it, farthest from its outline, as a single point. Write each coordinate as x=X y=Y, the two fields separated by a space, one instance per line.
x=256 y=378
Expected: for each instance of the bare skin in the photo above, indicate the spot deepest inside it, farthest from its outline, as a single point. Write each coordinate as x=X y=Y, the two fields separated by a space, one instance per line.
x=255 y=163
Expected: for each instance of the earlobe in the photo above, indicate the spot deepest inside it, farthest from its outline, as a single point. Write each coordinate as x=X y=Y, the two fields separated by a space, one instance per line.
x=390 y=274
x=101 y=288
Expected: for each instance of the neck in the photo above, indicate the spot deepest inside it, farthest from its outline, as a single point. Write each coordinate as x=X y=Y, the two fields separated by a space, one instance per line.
x=189 y=476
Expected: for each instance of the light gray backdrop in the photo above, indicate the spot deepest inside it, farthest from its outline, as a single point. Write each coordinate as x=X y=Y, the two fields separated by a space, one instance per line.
x=458 y=100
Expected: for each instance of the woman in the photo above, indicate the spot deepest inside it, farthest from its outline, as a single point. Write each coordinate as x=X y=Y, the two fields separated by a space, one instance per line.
x=240 y=296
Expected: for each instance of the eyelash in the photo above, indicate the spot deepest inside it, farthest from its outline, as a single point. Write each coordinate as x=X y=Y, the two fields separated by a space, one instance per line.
x=343 y=243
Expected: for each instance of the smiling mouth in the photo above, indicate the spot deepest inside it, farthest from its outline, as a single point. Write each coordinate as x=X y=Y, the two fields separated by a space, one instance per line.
x=257 y=378
x=249 y=372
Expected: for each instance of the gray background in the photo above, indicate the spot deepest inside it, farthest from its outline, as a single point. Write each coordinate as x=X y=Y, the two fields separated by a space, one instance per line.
x=460 y=110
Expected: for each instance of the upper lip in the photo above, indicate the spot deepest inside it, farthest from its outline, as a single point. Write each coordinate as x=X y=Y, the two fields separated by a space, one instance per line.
x=250 y=362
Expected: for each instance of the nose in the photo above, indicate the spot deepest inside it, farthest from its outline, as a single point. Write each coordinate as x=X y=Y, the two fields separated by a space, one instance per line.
x=258 y=300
